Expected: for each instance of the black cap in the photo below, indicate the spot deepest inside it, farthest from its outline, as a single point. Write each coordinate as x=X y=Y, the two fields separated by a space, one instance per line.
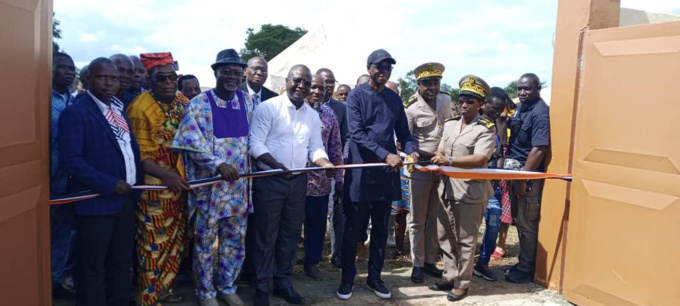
x=380 y=55
x=228 y=56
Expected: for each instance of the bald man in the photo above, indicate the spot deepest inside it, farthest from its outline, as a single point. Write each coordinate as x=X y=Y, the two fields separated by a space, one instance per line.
x=126 y=72
x=364 y=78
x=256 y=74
x=393 y=86
x=284 y=134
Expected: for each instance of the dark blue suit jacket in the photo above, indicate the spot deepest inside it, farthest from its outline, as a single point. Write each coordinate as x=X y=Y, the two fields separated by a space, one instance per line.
x=90 y=154
x=373 y=119
x=340 y=110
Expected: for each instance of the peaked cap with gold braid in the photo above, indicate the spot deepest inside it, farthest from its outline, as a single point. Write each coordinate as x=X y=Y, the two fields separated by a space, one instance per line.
x=429 y=70
x=474 y=86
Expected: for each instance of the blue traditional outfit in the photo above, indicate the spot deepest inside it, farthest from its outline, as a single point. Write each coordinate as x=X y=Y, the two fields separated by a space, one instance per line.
x=215 y=131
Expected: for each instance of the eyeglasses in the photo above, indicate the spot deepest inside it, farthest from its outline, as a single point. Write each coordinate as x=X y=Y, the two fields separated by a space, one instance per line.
x=160 y=78
x=298 y=81
x=382 y=68
x=469 y=101
x=330 y=81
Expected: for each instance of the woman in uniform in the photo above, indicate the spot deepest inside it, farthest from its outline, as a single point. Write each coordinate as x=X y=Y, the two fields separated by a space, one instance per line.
x=467 y=142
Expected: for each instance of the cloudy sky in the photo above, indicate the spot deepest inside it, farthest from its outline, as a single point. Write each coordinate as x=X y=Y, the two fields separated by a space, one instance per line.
x=495 y=39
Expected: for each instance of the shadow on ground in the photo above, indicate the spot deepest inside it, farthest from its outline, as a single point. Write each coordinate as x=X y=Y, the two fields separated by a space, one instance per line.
x=396 y=275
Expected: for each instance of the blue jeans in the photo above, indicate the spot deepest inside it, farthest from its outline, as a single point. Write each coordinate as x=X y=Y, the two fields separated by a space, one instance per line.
x=492 y=216
x=62 y=232
x=316 y=210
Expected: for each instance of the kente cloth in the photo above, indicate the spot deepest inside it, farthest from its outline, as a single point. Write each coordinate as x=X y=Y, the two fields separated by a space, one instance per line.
x=151 y=60
x=402 y=206
x=161 y=215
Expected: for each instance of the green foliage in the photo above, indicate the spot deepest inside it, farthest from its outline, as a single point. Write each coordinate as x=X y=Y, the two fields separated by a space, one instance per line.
x=269 y=41
x=511 y=89
x=455 y=93
x=56 y=34
x=407 y=85
x=445 y=87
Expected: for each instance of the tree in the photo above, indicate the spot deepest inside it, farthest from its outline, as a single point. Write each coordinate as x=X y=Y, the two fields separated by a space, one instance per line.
x=269 y=41
x=511 y=89
x=407 y=85
x=56 y=33
x=445 y=88
x=455 y=93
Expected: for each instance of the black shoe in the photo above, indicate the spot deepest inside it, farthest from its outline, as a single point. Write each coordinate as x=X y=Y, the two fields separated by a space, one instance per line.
x=519 y=277
x=336 y=262
x=261 y=298
x=345 y=291
x=452 y=297
x=289 y=295
x=432 y=270
x=59 y=292
x=379 y=288
x=511 y=269
x=440 y=286
x=417 y=275
x=484 y=272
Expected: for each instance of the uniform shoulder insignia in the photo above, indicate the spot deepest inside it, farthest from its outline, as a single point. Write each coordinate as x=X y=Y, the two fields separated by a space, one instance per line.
x=453 y=118
x=444 y=92
x=410 y=101
x=486 y=123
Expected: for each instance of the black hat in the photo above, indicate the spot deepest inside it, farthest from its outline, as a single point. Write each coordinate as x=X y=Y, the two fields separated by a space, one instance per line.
x=380 y=55
x=228 y=56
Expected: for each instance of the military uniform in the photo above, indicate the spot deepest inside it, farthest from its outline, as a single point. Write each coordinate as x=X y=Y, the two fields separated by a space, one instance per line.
x=426 y=126
x=464 y=200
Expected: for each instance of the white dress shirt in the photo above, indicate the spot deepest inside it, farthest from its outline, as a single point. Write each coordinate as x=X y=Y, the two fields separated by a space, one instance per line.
x=124 y=141
x=291 y=136
x=251 y=92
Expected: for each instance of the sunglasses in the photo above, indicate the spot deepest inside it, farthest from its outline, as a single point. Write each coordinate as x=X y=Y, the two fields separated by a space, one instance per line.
x=466 y=101
x=298 y=81
x=160 y=78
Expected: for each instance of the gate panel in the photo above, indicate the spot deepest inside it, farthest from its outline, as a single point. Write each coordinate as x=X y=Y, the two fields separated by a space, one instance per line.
x=625 y=200
x=24 y=159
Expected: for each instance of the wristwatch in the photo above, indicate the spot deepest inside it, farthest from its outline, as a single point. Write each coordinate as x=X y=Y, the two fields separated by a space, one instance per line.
x=450 y=160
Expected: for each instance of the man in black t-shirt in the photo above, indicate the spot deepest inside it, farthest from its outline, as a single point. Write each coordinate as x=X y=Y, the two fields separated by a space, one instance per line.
x=529 y=142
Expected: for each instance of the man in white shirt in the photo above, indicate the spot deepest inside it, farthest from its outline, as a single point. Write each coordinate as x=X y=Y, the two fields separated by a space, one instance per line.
x=284 y=133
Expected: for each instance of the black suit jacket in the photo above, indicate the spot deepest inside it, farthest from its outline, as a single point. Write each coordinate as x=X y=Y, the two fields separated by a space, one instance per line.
x=340 y=110
x=266 y=93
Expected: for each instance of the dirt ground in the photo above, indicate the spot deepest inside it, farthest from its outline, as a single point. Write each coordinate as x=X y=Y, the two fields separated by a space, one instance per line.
x=396 y=275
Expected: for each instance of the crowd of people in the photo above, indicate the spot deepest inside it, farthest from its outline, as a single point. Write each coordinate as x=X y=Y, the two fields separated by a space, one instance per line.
x=136 y=122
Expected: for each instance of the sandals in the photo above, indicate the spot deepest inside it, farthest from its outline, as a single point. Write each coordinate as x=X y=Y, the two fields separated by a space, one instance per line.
x=498 y=253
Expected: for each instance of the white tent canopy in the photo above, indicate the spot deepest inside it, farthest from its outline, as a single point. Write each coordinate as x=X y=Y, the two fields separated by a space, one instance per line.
x=308 y=50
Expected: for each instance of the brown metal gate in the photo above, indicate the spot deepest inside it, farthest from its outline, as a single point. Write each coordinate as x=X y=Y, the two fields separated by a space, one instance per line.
x=24 y=118
x=624 y=220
